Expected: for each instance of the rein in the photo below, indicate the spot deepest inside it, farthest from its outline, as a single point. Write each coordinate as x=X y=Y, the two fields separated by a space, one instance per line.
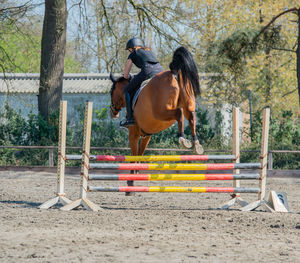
x=113 y=109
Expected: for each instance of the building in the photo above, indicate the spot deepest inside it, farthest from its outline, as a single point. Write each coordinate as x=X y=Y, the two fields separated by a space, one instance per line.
x=20 y=91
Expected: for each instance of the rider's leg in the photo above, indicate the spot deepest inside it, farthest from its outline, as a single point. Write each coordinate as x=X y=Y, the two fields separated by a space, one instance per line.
x=129 y=116
x=129 y=92
x=129 y=107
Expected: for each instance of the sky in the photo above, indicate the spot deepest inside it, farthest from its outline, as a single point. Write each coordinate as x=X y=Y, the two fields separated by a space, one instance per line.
x=73 y=14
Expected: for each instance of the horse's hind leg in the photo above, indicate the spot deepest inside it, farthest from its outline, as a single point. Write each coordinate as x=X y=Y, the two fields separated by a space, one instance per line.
x=190 y=115
x=177 y=114
x=182 y=140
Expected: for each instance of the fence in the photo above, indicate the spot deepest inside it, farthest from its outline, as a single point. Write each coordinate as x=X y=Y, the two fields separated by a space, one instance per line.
x=160 y=151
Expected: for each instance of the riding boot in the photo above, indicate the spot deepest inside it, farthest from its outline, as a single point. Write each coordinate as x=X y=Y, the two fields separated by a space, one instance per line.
x=129 y=117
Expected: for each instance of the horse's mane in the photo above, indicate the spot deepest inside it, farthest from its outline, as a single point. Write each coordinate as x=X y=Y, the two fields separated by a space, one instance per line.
x=114 y=84
x=183 y=60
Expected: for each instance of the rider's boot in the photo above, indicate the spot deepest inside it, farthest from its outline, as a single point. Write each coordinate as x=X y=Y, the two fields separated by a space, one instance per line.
x=129 y=117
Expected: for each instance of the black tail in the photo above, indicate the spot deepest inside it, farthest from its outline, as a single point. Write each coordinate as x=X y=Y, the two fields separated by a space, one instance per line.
x=183 y=60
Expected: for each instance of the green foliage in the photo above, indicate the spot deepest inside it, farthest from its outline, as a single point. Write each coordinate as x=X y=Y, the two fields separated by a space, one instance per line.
x=20 y=50
x=244 y=44
x=235 y=49
x=240 y=56
x=72 y=65
x=284 y=135
x=105 y=132
x=33 y=130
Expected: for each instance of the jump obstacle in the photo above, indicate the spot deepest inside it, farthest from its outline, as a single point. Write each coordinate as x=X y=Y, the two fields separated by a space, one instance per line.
x=235 y=166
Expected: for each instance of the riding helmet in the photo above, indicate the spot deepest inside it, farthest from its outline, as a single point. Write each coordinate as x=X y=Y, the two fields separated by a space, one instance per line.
x=135 y=42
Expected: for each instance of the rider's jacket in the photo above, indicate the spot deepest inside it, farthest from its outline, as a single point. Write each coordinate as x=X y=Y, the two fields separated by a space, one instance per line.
x=149 y=65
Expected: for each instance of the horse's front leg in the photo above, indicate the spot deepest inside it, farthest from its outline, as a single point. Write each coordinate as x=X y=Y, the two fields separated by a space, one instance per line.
x=198 y=149
x=143 y=144
x=134 y=147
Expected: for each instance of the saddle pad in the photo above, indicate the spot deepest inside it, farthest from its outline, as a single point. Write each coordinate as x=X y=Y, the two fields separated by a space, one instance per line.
x=136 y=95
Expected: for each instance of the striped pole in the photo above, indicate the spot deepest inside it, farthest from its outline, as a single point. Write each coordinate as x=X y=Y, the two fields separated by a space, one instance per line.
x=174 y=166
x=172 y=177
x=172 y=189
x=152 y=158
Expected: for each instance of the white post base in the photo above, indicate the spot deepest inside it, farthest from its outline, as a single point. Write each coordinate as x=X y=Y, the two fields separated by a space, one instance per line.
x=231 y=202
x=87 y=204
x=252 y=206
x=56 y=200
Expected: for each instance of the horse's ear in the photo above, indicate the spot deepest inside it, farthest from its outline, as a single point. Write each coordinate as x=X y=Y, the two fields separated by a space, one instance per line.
x=112 y=77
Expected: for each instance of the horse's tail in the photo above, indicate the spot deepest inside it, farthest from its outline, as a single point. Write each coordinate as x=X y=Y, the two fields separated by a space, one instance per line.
x=183 y=61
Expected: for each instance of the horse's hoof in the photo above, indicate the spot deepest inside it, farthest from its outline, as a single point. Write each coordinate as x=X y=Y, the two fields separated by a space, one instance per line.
x=185 y=142
x=198 y=149
x=129 y=193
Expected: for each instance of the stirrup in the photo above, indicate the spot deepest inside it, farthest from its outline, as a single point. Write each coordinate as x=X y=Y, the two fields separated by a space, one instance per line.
x=126 y=123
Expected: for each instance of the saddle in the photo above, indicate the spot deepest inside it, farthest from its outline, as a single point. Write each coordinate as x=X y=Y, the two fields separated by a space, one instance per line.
x=136 y=95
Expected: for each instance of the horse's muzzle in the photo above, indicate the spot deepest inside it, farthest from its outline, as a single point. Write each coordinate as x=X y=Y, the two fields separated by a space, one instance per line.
x=114 y=114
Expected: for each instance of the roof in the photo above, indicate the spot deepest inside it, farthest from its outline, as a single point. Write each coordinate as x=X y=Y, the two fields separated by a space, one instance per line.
x=72 y=83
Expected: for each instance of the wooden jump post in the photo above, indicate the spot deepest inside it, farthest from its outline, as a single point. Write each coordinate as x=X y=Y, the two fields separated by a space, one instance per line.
x=83 y=201
x=263 y=162
x=60 y=194
x=236 y=197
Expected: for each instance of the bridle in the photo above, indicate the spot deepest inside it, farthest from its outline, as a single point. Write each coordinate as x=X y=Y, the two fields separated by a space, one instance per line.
x=113 y=108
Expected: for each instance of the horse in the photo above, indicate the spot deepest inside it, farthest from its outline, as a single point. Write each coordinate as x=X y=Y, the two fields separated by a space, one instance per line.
x=167 y=98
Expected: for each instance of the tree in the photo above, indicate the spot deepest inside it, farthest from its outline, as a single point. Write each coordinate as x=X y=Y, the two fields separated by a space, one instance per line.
x=261 y=58
x=52 y=56
x=105 y=26
x=13 y=17
x=296 y=11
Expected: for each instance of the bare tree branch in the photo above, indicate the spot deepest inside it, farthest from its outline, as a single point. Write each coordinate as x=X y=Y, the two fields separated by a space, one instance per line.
x=290 y=92
x=295 y=9
x=107 y=19
x=284 y=49
x=76 y=4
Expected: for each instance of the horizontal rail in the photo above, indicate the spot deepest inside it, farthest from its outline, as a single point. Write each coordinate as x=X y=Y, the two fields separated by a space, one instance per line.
x=171 y=189
x=152 y=158
x=172 y=177
x=128 y=149
x=174 y=166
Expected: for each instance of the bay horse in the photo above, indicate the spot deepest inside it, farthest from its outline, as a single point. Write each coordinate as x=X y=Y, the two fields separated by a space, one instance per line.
x=167 y=98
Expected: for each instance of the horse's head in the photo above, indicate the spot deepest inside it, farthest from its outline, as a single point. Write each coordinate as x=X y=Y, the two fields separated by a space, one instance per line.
x=117 y=95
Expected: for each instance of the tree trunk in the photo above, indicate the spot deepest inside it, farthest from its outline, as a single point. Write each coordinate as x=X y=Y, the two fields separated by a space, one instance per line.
x=98 y=25
x=298 y=56
x=52 y=57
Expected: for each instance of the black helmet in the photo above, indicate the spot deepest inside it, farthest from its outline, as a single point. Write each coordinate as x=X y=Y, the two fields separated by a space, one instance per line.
x=135 y=42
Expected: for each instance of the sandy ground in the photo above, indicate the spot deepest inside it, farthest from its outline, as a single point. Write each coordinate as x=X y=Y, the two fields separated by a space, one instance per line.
x=149 y=227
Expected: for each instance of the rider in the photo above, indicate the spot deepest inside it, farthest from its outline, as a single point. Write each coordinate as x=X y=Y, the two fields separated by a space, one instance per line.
x=143 y=58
